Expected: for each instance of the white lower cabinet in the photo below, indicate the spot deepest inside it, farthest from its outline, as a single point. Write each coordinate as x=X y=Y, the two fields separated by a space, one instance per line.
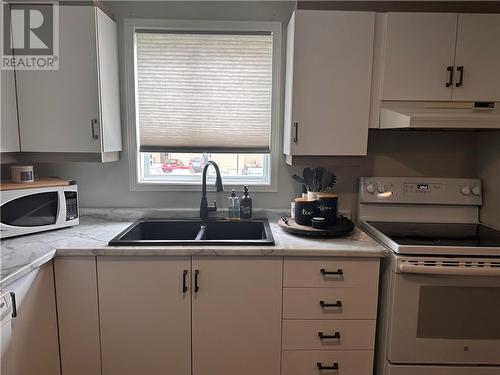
x=145 y=315
x=313 y=362
x=78 y=315
x=207 y=315
x=237 y=316
x=328 y=334
x=29 y=325
x=200 y=316
x=329 y=315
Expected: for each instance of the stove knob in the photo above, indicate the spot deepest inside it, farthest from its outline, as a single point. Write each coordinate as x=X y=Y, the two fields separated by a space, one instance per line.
x=370 y=188
x=381 y=189
x=466 y=190
x=476 y=190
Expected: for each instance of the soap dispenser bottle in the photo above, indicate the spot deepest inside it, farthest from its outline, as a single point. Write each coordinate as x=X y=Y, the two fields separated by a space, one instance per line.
x=233 y=206
x=246 y=205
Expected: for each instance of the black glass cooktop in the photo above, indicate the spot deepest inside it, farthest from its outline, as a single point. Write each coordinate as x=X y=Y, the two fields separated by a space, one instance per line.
x=439 y=234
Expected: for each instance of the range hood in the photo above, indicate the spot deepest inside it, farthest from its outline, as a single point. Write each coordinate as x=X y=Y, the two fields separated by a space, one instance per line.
x=434 y=115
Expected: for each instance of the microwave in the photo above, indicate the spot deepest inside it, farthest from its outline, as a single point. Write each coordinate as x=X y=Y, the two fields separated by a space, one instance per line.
x=32 y=210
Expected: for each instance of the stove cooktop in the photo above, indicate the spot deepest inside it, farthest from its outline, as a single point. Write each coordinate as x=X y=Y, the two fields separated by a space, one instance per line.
x=439 y=234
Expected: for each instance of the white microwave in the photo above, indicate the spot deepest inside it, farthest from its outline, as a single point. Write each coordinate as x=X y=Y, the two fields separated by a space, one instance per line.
x=32 y=210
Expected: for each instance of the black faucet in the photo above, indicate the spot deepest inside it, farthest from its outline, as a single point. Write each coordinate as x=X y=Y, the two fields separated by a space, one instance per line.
x=204 y=208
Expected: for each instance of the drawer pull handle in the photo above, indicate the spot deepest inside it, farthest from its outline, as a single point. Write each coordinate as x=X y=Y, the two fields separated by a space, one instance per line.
x=335 y=336
x=336 y=304
x=339 y=272
x=334 y=366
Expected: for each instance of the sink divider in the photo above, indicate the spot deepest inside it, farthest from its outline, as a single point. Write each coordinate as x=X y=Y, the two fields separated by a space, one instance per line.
x=201 y=233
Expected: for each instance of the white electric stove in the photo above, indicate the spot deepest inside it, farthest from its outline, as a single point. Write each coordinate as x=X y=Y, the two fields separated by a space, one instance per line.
x=440 y=292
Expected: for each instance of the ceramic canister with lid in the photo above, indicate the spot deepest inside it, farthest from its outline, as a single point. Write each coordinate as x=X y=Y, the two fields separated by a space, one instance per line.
x=326 y=206
x=305 y=210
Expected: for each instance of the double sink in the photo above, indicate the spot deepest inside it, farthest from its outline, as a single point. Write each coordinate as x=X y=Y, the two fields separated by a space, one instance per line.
x=164 y=232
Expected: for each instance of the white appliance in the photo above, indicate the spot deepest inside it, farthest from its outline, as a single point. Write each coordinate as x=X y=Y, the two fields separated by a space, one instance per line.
x=30 y=210
x=440 y=289
x=441 y=115
x=8 y=310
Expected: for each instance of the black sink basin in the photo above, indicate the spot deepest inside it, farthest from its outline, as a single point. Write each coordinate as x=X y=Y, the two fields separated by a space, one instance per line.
x=156 y=230
x=234 y=230
x=161 y=232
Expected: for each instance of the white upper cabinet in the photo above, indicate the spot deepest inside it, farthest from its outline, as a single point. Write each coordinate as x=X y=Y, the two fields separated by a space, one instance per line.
x=478 y=58
x=439 y=57
x=419 y=56
x=9 y=126
x=328 y=81
x=74 y=109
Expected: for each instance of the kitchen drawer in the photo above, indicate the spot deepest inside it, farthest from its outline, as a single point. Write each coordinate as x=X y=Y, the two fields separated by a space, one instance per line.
x=305 y=303
x=305 y=334
x=305 y=362
x=330 y=272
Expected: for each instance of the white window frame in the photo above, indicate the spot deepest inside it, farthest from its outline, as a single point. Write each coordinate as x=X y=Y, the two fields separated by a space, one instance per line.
x=132 y=24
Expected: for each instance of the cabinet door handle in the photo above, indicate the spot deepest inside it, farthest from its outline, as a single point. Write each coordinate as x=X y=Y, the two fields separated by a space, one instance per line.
x=460 y=70
x=339 y=272
x=450 y=76
x=196 y=287
x=334 y=366
x=323 y=304
x=296 y=128
x=93 y=124
x=14 y=305
x=184 y=285
x=335 y=336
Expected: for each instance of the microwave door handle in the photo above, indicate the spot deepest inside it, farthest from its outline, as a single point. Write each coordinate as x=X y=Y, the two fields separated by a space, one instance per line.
x=454 y=271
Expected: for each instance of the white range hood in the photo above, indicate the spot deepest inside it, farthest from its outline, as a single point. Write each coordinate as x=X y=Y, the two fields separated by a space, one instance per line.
x=434 y=115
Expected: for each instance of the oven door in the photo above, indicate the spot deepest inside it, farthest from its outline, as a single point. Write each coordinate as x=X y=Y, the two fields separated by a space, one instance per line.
x=443 y=316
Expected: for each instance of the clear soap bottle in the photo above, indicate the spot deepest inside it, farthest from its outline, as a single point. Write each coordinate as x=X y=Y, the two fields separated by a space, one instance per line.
x=233 y=206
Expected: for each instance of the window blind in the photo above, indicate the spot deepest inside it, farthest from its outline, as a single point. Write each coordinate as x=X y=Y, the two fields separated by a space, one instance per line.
x=204 y=92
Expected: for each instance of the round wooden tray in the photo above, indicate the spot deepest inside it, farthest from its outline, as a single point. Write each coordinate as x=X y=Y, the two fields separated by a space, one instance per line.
x=342 y=228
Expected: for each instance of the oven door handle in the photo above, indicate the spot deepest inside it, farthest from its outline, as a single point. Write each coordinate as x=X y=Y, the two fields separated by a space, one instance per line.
x=454 y=271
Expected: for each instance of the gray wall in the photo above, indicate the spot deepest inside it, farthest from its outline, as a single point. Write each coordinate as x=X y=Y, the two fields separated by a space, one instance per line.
x=405 y=153
x=489 y=172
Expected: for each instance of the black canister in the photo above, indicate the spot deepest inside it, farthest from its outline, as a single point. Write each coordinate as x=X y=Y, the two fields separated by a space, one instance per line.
x=305 y=210
x=326 y=206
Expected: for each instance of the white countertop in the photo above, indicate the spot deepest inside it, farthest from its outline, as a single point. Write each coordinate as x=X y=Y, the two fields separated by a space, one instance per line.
x=19 y=255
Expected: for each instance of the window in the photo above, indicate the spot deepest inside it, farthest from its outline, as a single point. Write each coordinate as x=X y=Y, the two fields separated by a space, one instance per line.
x=188 y=167
x=204 y=91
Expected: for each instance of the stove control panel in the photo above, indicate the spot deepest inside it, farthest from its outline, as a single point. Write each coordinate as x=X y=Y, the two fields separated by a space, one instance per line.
x=418 y=190
x=422 y=188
